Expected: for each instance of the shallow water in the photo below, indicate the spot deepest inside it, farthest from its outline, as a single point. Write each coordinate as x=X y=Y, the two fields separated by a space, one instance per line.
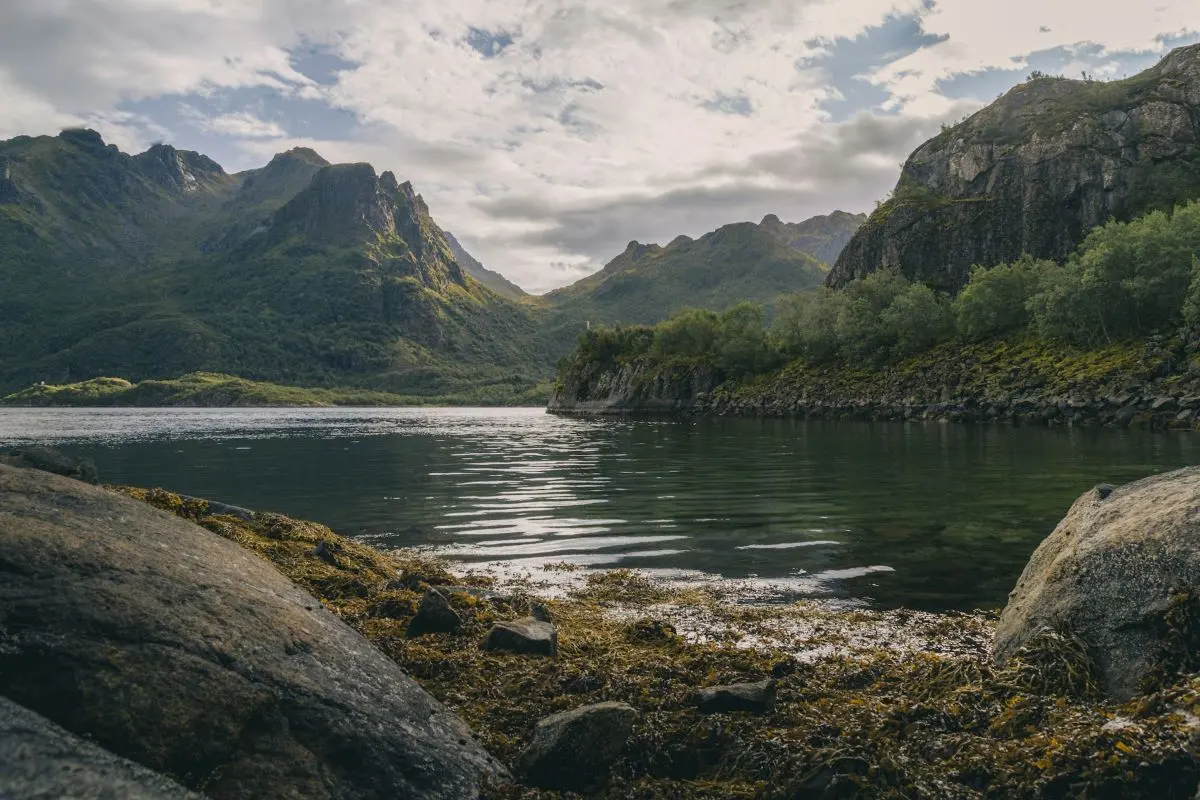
x=930 y=516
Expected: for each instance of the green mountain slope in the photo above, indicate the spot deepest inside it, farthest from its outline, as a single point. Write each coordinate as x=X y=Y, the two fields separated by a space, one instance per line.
x=738 y=262
x=1034 y=172
x=160 y=264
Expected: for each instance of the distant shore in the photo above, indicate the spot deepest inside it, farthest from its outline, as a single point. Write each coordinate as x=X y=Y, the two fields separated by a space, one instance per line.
x=216 y=390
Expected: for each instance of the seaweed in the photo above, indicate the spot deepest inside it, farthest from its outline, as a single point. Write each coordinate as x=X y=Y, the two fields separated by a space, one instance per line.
x=859 y=713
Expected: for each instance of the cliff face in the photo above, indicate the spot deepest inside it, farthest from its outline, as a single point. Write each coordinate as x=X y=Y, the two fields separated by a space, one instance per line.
x=1034 y=172
x=632 y=388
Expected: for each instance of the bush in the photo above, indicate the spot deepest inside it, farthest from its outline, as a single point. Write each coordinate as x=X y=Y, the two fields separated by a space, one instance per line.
x=995 y=301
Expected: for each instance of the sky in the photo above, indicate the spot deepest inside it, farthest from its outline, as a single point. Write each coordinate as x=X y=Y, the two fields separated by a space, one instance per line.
x=547 y=134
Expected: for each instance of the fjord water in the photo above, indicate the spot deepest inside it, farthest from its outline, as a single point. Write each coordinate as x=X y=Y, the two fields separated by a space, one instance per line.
x=930 y=516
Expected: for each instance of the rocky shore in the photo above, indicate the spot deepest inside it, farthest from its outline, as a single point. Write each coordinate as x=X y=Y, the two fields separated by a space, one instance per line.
x=1154 y=384
x=153 y=645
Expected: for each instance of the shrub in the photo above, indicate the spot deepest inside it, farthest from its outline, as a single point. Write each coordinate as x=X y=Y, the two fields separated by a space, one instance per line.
x=995 y=301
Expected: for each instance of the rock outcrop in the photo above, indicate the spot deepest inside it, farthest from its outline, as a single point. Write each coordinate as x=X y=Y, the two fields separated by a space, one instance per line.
x=1034 y=172
x=177 y=649
x=632 y=388
x=1121 y=572
x=38 y=759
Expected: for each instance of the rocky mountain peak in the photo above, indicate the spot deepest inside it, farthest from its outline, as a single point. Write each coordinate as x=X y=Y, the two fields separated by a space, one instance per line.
x=83 y=137
x=1034 y=172
x=178 y=170
x=770 y=220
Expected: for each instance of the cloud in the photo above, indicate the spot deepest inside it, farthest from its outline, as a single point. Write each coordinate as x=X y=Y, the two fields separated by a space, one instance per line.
x=244 y=125
x=549 y=134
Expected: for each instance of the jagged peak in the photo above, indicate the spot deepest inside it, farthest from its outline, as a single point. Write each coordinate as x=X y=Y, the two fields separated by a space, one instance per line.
x=681 y=239
x=771 y=219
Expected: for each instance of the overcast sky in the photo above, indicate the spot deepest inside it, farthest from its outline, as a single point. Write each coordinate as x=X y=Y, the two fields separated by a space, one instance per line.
x=547 y=134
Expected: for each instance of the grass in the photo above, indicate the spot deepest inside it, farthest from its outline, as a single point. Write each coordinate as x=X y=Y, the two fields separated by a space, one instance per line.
x=935 y=720
x=215 y=390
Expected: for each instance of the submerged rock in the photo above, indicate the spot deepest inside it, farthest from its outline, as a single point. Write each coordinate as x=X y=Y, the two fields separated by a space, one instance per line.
x=434 y=615
x=1121 y=572
x=50 y=460
x=175 y=648
x=38 y=759
x=528 y=636
x=575 y=749
x=756 y=698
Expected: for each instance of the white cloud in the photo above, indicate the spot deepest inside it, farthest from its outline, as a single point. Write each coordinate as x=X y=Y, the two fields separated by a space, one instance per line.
x=609 y=120
x=244 y=125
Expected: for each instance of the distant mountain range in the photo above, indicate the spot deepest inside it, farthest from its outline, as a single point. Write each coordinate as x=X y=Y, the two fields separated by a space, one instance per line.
x=305 y=272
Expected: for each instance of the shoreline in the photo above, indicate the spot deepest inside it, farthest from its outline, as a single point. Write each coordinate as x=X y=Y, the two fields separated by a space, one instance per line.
x=1153 y=385
x=879 y=703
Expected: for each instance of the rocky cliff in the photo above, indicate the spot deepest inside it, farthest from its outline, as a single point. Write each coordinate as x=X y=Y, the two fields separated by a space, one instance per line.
x=1034 y=172
x=1149 y=385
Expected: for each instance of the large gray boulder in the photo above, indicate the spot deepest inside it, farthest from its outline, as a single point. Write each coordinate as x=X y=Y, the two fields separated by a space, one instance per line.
x=38 y=759
x=172 y=647
x=1109 y=573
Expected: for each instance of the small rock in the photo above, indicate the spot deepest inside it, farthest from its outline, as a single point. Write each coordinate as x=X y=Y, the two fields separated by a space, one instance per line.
x=325 y=551
x=434 y=615
x=541 y=613
x=573 y=750
x=757 y=698
x=527 y=636
x=1103 y=490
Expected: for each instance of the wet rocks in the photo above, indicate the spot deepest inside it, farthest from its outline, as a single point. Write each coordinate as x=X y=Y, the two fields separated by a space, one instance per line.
x=434 y=615
x=1122 y=572
x=755 y=698
x=574 y=749
x=527 y=636
x=173 y=647
x=38 y=759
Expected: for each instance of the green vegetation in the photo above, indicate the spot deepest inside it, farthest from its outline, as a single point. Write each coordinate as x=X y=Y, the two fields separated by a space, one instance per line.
x=212 y=389
x=934 y=719
x=1124 y=283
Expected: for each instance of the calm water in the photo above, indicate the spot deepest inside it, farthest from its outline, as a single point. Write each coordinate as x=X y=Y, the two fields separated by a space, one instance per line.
x=928 y=516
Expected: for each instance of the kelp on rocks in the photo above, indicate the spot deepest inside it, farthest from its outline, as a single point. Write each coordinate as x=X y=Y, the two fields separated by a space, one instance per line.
x=870 y=704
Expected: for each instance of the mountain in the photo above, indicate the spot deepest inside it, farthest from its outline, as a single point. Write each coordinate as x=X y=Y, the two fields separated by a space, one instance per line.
x=1034 y=172
x=742 y=261
x=301 y=272
x=493 y=280
x=823 y=236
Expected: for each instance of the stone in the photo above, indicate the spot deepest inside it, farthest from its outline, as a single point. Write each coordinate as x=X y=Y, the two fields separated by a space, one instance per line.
x=756 y=698
x=434 y=615
x=50 y=460
x=173 y=647
x=1109 y=573
x=542 y=614
x=38 y=759
x=527 y=636
x=574 y=750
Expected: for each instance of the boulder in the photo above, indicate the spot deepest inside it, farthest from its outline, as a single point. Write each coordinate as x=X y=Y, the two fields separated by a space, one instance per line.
x=573 y=750
x=756 y=698
x=177 y=649
x=50 y=460
x=434 y=615
x=38 y=759
x=527 y=636
x=1120 y=560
